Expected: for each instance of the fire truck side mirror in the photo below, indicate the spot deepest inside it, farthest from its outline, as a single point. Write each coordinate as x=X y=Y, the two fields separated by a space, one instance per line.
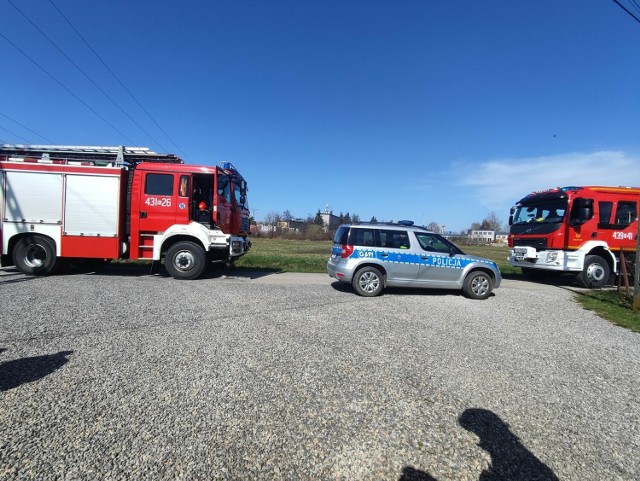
x=582 y=211
x=511 y=212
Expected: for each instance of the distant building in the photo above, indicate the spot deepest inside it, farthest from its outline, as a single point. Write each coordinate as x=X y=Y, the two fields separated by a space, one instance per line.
x=487 y=236
x=262 y=228
x=330 y=221
x=296 y=225
x=502 y=238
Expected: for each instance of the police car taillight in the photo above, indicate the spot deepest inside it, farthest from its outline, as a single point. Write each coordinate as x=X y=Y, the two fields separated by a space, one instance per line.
x=346 y=251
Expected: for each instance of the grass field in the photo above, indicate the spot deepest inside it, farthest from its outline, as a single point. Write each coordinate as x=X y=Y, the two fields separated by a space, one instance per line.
x=311 y=256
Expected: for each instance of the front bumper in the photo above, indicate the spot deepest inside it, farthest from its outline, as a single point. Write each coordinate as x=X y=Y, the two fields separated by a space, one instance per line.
x=552 y=260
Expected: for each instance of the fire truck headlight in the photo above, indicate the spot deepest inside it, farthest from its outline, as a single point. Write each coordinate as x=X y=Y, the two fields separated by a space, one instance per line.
x=552 y=256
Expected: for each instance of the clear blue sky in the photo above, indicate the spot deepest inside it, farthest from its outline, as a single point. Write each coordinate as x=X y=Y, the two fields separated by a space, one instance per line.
x=424 y=110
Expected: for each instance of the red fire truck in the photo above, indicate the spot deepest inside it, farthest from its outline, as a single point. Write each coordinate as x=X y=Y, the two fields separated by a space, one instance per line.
x=85 y=202
x=579 y=230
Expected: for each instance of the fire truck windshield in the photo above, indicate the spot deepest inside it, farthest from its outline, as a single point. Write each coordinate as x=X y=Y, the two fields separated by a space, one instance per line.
x=547 y=212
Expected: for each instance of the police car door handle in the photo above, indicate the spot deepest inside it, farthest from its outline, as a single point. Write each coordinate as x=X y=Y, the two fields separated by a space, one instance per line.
x=385 y=254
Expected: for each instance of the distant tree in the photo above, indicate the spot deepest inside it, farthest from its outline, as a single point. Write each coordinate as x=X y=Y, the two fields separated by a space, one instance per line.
x=355 y=218
x=373 y=219
x=341 y=218
x=491 y=222
x=318 y=219
x=347 y=218
x=433 y=226
x=271 y=218
x=315 y=232
x=286 y=216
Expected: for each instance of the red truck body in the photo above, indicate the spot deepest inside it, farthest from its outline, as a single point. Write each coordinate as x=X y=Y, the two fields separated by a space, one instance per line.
x=82 y=202
x=581 y=230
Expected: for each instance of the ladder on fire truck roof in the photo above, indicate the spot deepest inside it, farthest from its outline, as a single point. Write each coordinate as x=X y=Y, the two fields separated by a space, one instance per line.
x=117 y=156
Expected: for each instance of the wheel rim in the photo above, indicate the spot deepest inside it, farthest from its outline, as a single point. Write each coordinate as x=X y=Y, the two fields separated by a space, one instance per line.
x=480 y=286
x=184 y=261
x=369 y=282
x=35 y=256
x=595 y=272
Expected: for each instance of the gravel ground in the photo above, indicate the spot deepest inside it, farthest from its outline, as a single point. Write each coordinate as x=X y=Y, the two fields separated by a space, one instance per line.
x=123 y=374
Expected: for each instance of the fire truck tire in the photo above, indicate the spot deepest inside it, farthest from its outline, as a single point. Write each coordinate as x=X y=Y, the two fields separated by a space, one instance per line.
x=477 y=285
x=185 y=260
x=35 y=255
x=595 y=273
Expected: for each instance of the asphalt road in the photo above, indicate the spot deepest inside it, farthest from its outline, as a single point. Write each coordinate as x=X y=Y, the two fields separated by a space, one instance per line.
x=129 y=375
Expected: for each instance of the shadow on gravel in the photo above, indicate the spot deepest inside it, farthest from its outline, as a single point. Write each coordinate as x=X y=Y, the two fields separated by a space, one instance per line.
x=510 y=460
x=135 y=269
x=404 y=291
x=29 y=369
x=412 y=474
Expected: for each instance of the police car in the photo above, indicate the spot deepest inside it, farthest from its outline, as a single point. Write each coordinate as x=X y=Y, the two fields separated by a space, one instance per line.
x=371 y=257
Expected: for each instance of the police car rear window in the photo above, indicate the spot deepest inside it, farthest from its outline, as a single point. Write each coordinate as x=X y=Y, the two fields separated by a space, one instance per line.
x=341 y=235
x=363 y=237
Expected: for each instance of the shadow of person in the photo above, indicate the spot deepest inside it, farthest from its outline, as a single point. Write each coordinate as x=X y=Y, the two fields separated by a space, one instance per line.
x=510 y=460
x=20 y=371
x=410 y=473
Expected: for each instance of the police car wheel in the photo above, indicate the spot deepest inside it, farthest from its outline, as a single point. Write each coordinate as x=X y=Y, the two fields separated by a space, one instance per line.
x=368 y=282
x=477 y=285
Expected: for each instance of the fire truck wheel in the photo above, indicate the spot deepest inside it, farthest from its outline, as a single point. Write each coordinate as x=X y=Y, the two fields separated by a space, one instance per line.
x=477 y=285
x=595 y=273
x=185 y=260
x=35 y=255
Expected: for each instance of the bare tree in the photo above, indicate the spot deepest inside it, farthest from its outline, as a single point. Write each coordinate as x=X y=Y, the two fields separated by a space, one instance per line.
x=491 y=222
x=433 y=226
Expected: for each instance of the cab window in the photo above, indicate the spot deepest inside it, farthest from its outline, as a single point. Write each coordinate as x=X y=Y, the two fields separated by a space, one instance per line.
x=158 y=184
x=224 y=188
x=625 y=213
x=184 y=186
x=604 y=218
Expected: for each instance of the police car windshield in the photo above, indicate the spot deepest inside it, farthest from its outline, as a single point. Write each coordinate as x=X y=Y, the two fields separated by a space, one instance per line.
x=548 y=212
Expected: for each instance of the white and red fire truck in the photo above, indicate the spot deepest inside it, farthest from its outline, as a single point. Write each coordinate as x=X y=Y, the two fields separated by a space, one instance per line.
x=83 y=202
x=579 y=230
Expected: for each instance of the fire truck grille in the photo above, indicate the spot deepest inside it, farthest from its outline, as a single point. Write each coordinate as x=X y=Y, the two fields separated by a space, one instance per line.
x=244 y=225
x=540 y=243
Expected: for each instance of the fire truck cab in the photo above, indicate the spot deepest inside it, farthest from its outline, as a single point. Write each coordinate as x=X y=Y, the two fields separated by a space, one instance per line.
x=579 y=230
x=79 y=202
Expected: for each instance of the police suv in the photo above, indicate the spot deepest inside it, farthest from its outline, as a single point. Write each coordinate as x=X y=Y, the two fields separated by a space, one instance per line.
x=373 y=256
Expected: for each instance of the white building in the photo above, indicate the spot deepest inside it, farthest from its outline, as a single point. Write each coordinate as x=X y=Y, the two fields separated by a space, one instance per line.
x=483 y=236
